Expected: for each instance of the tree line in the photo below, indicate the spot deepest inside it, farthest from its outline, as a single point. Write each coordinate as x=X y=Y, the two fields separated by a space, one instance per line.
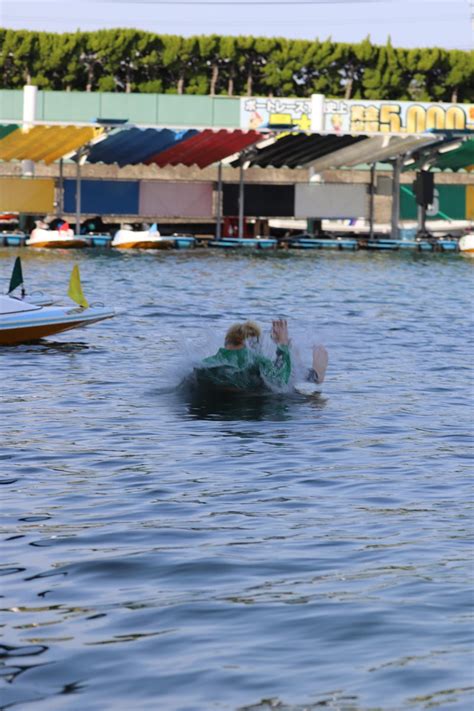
x=124 y=60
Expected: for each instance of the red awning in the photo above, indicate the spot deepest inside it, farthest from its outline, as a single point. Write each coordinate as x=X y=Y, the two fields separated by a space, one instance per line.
x=206 y=147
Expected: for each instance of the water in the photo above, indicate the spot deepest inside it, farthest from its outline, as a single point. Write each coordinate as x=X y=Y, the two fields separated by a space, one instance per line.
x=275 y=552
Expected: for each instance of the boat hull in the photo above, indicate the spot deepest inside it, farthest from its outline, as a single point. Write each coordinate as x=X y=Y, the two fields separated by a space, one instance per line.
x=58 y=243
x=36 y=325
x=145 y=244
x=146 y=239
x=10 y=337
x=49 y=239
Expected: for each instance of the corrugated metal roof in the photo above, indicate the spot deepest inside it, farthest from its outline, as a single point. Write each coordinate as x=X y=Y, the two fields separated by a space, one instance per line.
x=296 y=150
x=206 y=147
x=47 y=143
x=129 y=146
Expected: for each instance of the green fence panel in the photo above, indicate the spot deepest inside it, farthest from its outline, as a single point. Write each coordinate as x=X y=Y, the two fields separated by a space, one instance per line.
x=137 y=108
x=226 y=112
x=11 y=105
x=184 y=110
x=70 y=106
x=165 y=109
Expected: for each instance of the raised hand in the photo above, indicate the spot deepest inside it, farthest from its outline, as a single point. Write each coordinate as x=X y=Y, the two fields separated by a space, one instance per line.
x=280 y=331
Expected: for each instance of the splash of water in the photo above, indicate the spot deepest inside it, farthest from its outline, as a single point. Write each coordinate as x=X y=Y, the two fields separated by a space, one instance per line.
x=191 y=352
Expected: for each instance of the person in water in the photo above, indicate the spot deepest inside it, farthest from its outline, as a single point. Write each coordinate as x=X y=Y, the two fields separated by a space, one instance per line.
x=241 y=367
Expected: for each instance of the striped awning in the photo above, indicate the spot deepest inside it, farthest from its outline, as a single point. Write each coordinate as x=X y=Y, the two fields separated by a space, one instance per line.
x=130 y=146
x=44 y=143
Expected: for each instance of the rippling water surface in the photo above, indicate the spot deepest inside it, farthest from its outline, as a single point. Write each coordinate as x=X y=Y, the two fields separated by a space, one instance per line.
x=275 y=552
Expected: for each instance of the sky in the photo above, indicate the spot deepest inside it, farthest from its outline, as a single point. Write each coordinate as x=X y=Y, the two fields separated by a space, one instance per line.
x=410 y=23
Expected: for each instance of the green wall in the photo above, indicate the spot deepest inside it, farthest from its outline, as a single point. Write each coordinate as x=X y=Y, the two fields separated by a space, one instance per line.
x=165 y=109
x=451 y=203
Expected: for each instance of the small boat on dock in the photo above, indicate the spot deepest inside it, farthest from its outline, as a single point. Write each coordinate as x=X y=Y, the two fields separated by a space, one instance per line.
x=12 y=238
x=127 y=238
x=244 y=243
x=306 y=241
x=10 y=233
x=98 y=240
x=418 y=245
x=466 y=244
x=95 y=231
x=22 y=321
x=62 y=237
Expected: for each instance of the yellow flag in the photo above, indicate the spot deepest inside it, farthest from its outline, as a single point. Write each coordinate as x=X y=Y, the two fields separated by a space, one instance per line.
x=75 y=289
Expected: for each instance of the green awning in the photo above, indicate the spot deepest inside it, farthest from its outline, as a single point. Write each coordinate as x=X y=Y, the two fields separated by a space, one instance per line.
x=440 y=157
x=5 y=129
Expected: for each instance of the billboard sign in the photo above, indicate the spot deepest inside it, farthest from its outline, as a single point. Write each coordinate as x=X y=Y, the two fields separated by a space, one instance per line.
x=343 y=117
x=261 y=112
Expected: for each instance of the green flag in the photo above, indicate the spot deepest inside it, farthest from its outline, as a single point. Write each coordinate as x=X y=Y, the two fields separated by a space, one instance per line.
x=17 y=276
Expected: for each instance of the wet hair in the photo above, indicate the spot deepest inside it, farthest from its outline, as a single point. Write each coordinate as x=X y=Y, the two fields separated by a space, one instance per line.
x=251 y=330
x=241 y=332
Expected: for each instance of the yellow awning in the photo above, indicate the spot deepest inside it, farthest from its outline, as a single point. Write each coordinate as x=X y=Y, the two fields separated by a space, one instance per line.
x=46 y=143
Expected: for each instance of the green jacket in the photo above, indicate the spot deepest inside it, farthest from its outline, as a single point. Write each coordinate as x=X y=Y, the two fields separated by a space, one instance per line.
x=244 y=369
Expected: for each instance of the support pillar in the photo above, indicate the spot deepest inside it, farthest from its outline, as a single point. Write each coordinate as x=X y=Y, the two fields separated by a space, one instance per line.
x=60 y=204
x=397 y=167
x=219 y=202
x=30 y=94
x=78 y=193
x=371 y=201
x=241 y=198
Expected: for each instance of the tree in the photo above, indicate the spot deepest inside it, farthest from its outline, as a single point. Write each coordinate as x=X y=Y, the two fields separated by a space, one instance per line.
x=250 y=62
x=60 y=65
x=353 y=61
x=229 y=57
x=324 y=69
x=284 y=73
x=117 y=53
x=133 y=60
x=180 y=59
x=433 y=66
x=385 y=79
x=211 y=58
x=89 y=58
x=151 y=78
x=460 y=77
x=19 y=57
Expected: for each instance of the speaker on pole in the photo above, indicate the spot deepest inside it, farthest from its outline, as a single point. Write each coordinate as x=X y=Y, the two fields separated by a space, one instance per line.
x=423 y=188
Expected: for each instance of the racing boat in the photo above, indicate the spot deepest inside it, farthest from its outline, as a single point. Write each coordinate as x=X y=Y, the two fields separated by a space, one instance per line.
x=22 y=321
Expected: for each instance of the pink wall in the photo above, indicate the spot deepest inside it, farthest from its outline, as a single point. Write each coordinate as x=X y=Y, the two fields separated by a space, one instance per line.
x=167 y=199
